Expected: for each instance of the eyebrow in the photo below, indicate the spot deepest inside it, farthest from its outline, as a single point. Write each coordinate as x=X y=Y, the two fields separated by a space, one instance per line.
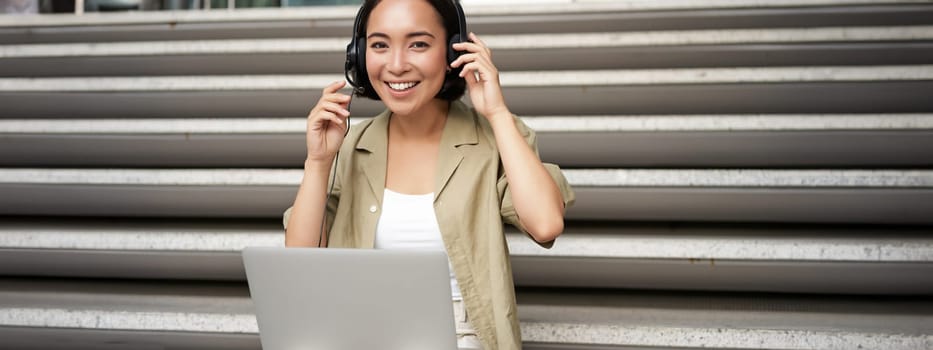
x=409 y=35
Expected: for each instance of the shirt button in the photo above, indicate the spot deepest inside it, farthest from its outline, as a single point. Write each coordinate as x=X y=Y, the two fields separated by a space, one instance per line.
x=372 y=209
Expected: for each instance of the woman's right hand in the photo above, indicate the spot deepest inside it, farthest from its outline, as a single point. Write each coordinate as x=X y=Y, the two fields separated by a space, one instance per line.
x=327 y=123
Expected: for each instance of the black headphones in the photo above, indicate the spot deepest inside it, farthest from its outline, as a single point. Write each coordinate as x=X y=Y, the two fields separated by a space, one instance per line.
x=355 y=66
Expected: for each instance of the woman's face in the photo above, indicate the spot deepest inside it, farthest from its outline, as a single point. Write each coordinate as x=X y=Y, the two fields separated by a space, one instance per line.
x=406 y=53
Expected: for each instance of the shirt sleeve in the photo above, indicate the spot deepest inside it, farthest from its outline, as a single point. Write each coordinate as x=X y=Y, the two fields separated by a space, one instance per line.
x=507 y=207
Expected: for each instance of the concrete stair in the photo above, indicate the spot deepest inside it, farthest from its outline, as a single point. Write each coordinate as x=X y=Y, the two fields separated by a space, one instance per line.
x=219 y=316
x=717 y=257
x=750 y=174
x=702 y=141
x=844 y=196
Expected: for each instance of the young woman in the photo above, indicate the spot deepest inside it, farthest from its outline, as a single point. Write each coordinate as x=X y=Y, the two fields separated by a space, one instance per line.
x=429 y=172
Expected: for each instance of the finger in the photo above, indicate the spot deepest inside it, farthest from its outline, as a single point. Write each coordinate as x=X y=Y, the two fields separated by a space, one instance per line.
x=464 y=58
x=471 y=74
x=335 y=108
x=477 y=40
x=485 y=61
x=336 y=98
x=326 y=119
x=477 y=68
x=469 y=47
x=334 y=87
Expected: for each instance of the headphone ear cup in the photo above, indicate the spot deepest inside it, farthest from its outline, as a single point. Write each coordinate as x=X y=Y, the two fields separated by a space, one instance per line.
x=362 y=77
x=349 y=66
x=453 y=54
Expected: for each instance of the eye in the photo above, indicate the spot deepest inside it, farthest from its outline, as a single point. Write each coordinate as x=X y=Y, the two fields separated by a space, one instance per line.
x=378 y=45
x=420 y=45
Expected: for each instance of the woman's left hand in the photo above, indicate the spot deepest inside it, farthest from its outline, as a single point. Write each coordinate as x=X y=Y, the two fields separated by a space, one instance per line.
x=482 y=77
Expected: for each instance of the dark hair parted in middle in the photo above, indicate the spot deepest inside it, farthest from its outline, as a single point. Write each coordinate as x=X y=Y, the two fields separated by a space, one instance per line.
x=454 y=86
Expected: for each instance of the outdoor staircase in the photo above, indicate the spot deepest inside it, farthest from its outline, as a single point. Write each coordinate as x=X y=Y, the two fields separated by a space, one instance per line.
x=749 y=174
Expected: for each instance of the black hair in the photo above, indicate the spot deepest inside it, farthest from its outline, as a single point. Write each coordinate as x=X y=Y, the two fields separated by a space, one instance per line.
x=454 y=86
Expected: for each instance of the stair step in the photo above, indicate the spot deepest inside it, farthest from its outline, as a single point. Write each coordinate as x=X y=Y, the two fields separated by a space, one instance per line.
x=742 y=178
x=577 y=78
x=891 y=260
x=297 y=22
x=663 y=49
x=817 y=140
x=56 y=308
x=836 y=89
x=806 y=196
x=541 y=124
x=722 y=321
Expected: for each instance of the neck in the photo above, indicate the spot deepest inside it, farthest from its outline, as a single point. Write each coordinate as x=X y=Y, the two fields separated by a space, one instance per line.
x=428 y=121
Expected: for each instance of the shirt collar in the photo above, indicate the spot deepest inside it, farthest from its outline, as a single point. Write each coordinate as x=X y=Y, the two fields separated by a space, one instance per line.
x=459 y=130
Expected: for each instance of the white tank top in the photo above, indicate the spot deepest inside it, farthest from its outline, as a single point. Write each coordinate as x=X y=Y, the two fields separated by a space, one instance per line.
x=408 y=222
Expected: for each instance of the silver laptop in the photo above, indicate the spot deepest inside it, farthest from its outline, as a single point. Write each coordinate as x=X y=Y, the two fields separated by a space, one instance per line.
x=353 y=299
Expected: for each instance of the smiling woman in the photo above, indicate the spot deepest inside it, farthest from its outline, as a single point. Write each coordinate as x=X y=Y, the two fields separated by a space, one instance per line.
x=429 y=172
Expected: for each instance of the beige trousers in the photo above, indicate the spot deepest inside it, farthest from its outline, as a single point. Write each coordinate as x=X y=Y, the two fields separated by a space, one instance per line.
x=466 y=335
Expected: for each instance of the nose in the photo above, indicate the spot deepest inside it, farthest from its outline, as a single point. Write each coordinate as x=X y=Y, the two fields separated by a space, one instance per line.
x=398 y=62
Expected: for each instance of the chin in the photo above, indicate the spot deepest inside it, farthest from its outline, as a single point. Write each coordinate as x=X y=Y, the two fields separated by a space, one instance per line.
x=407 y=105
x=399 y=107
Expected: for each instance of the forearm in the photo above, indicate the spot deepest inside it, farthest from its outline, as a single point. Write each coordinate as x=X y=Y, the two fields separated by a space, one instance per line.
x=304 y=224
x=536 y=198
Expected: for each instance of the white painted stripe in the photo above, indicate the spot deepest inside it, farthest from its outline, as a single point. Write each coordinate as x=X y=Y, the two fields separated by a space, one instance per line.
x=612 y=246
x=128 y=320
x=148 y=177
x=197 y=241
x=709 y=37
x=508 y=79
x=496 y=42
x=715 y=76
x=323 y=13
x=731 y=337
x=170 y=83
x=161 y=126
x=749 y=122
x=546 y=332
x=153 y=48
x=752 y=178
x=704 y=247
x=582 y=123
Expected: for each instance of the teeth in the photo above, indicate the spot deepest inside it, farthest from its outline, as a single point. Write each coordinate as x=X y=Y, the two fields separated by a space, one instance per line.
x=402 y=86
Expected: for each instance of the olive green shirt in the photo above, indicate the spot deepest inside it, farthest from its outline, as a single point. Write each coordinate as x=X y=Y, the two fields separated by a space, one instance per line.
x=471 y=202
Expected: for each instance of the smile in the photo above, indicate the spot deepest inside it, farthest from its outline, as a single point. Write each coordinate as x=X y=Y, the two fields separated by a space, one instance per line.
x=402 y=86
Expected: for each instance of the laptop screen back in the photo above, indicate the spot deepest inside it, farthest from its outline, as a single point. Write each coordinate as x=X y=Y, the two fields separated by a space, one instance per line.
x=310 y=298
